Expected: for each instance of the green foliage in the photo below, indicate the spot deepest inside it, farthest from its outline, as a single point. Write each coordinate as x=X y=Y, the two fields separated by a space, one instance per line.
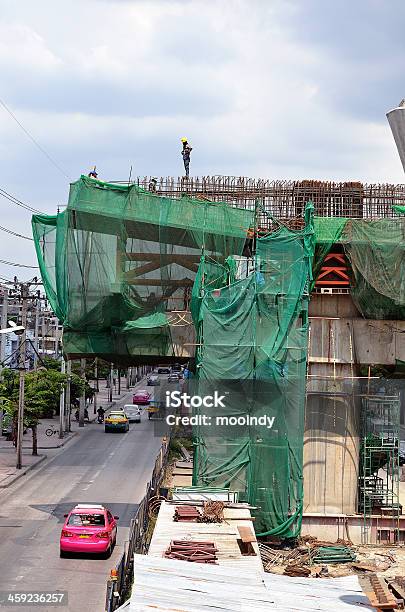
x=42 y=391
x=50 y=363
x=42 y=394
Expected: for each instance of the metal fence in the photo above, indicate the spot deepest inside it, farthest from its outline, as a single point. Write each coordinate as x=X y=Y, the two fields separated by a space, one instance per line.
x=119 y=585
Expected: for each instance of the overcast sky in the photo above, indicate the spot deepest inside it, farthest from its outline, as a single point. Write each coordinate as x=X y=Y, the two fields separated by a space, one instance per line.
x=287 y=89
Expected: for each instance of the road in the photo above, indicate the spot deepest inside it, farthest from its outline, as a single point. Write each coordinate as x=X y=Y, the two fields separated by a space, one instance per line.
x=112 y=469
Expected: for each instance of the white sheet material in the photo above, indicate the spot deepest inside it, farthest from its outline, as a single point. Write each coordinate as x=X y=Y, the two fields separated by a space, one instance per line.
x=170 y=585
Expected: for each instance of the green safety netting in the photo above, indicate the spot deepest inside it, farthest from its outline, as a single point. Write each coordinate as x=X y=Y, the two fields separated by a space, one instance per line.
x=252 y=337
x=119 y=257
x=376 y=253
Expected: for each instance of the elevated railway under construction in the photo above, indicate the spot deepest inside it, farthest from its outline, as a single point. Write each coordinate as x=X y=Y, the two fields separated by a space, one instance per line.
x=294 y=287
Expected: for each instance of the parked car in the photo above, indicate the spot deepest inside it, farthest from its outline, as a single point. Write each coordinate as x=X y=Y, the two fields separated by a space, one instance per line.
x=163 y=370
x=153 y=380
x=141 y=397
x=88 y=528
x=6 y=426
x=173 y=377
x=116 y=420
x=133 y=413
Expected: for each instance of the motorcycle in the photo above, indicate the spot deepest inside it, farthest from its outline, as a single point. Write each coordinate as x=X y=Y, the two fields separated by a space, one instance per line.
x=100 y=418
x=86 y=415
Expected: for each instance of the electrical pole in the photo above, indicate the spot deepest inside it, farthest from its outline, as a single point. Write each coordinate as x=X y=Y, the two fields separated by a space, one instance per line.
x=62 y=404
x=67 y=395
x=36 y=334
x=3 y=345
x=4 y=312
x=119 y=380
x=110 y=395
x=21 y=367
x=96 y=385
x=83 y=395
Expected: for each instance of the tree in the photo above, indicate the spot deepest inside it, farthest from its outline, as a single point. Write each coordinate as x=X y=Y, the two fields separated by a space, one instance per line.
x=42 y=393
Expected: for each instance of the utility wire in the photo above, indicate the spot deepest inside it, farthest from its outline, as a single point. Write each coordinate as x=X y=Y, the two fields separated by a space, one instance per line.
x=26 y=132
x=11 y=263
x=9 y=231
x=17 y=202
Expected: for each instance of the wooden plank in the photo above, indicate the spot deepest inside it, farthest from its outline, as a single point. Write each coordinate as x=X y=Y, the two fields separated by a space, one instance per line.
x=182 y=472
x=246 y=534
x=183 y=464
x=182 y=481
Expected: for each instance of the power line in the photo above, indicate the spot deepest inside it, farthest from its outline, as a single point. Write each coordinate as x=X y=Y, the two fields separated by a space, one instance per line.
x=6 y=280
x=17 y=202
x=11 y=263
x=33 y=140
x=9 y=231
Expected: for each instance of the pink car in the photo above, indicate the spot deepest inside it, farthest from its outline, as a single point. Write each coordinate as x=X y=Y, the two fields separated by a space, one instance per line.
x=141 y=398
x=89 y=528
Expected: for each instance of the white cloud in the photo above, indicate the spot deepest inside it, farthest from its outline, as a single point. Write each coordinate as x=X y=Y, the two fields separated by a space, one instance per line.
x=118 y=83
x=23 y=48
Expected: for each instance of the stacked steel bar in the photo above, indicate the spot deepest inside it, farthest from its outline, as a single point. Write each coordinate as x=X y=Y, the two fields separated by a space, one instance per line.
x=193 y=551
x=333 y=554
x=187 y=514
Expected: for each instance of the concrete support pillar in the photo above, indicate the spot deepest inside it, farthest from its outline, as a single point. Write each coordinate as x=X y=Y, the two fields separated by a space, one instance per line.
x=331 y=441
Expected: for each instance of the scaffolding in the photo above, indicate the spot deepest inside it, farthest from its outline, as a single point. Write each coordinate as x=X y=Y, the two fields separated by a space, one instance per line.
x=379 y=462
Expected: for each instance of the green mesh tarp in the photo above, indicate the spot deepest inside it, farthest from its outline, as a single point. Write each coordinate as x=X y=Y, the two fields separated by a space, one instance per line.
x=119 y=254
x=376 y=253
x=252 y=337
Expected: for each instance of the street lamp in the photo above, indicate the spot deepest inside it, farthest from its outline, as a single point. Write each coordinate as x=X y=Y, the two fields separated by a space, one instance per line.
x=17 y=329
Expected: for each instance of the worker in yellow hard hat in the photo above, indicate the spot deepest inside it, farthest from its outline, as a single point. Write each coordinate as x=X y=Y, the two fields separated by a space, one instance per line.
x=186 y=151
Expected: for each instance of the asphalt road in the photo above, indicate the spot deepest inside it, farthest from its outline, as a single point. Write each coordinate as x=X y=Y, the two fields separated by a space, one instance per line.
x=111 y=469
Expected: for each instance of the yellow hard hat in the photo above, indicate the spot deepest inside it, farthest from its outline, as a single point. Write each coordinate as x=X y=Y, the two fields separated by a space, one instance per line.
x=183 y=139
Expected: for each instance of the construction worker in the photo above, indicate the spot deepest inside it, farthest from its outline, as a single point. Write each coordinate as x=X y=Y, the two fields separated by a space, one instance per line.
x=93 y=173
x=186 y=151
x=152 y=184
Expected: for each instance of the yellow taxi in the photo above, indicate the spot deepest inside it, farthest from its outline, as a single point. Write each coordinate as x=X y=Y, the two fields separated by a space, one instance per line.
x=116 y=420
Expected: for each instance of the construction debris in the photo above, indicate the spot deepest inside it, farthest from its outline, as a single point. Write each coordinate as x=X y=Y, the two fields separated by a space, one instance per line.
x=378 y=592
x=397 y=586
x=194 y=551
x=365 y=567
x=213 y=512
x=297 y=571
x=309 y=558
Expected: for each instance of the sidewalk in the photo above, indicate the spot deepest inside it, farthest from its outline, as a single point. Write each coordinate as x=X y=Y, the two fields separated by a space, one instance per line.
x=8 y=455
